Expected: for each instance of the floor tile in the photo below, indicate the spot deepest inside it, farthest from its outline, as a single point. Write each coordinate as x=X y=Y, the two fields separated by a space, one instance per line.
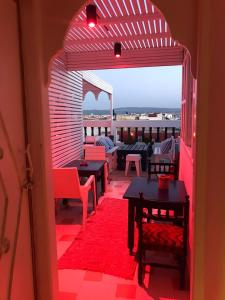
x=67 y=237
x=67 y=296
x=93 y=276
x=70 y=280
x=92 y=290
x=62 y=247
x=127 y=291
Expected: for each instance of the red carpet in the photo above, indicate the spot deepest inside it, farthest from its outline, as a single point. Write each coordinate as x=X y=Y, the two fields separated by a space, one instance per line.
x=102 y=247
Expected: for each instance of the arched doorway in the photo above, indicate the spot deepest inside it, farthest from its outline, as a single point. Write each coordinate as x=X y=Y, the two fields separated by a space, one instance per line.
x=146 y=41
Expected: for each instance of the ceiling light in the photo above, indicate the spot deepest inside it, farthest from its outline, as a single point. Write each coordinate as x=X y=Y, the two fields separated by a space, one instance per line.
x=117 y=49
x=91 y=15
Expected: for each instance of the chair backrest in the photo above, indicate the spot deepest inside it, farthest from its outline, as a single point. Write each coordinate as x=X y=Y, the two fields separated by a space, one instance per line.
x=180 y=217
x=95 y=153
x=162 y=168
x=66 y=183
x=172 y=149
x=89 y=139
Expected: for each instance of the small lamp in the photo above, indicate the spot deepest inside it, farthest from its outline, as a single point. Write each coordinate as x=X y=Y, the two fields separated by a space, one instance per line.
x=91 y=15
x=117 y=49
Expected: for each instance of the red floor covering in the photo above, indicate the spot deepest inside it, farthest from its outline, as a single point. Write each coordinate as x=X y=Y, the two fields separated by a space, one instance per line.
x=102 y=246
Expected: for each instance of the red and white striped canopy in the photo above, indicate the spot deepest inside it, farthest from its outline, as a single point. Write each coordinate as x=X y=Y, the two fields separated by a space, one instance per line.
x=137 y=24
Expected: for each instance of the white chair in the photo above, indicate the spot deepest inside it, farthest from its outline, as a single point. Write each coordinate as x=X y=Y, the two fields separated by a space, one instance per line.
x=89 y=139
x=67 y=185
x=136 y=158
x=98 y=153
x=158 y=155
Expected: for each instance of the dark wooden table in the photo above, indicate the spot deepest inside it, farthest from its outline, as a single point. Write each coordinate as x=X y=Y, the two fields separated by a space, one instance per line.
x=174 y=198
x=94 y=167
x=143 y=150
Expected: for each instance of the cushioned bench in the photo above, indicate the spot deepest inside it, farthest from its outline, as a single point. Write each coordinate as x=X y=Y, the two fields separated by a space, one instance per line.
x=111 y=153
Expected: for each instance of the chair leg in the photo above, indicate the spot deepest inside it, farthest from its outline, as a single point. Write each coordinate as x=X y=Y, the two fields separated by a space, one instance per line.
x=57 y=205
x=140 y=267
x=182 y=274
x=127 y=167
x=94 y=195
x=106 y=176
x=85 y=208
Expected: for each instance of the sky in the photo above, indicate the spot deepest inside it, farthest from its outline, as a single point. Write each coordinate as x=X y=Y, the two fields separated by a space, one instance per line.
x=140 y=87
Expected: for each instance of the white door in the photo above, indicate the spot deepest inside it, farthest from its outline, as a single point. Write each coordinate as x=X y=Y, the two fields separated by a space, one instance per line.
x=16 y=272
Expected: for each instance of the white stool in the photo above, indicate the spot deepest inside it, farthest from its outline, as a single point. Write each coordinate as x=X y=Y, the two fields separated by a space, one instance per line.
x=133 y=158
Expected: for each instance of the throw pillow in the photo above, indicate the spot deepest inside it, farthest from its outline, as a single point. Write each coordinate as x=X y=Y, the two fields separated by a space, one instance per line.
x=102 y=142
x=109 y=142
x=166 y=145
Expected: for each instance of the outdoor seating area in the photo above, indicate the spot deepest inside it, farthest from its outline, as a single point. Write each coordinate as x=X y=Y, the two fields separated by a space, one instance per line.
x=102 y=238
x=165 y=204
x=101 y=235
x=110 y=185
x=140 y=281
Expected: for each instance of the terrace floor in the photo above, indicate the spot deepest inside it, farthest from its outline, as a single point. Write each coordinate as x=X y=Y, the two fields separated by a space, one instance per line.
x=160 y=284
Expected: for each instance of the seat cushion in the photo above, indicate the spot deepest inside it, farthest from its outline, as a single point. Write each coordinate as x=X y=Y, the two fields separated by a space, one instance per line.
x=163 y=237
x=102 y=142
x=112 y=151
x=109 y=142
x=166 y=145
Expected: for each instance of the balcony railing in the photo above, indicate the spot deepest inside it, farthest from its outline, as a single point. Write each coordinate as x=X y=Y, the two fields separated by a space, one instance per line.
x=130 y=131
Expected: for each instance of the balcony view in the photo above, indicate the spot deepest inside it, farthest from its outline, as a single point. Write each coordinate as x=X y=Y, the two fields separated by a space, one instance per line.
x=112 y=150
x=123 y=147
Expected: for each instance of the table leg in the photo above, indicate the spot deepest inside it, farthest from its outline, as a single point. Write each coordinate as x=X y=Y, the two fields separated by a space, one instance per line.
x=130 y=225
x=102 y=182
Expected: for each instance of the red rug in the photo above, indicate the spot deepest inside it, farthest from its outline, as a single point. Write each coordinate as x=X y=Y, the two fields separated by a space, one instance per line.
x=102 y=246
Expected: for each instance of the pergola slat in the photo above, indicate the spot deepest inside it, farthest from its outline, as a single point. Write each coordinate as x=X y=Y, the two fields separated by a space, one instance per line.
x=135 y=23
x=161 y=56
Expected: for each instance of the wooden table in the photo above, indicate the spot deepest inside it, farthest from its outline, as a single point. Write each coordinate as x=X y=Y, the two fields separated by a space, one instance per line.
x=94 y=167
x=123 y=150
x=174 y=198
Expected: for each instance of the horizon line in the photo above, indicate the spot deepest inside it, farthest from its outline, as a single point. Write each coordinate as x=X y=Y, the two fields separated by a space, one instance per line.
x=135 y=107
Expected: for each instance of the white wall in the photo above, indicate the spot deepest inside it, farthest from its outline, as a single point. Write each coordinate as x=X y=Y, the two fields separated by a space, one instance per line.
x=65 y=94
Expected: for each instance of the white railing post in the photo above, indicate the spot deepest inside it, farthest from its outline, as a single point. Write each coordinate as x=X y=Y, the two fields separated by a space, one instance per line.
x=132 y=124
x=111 y=114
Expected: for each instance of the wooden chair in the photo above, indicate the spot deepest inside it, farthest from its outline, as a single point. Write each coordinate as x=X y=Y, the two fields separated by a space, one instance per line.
x=159 y=168
x=67 y=185
x=162 y=236
x=162 y=168
x=98 y=153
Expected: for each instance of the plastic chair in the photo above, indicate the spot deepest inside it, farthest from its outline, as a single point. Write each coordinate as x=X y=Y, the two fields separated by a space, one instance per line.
x=67 y=185
x=98 y=153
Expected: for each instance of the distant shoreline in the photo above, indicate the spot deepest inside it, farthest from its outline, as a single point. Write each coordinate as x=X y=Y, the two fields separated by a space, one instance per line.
x=130 y=110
